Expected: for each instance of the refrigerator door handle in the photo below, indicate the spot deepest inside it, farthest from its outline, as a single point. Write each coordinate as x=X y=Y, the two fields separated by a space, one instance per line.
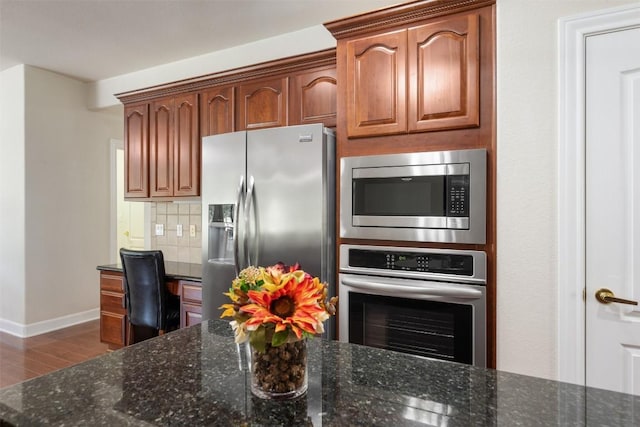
x=247 y=214
x=236 y=222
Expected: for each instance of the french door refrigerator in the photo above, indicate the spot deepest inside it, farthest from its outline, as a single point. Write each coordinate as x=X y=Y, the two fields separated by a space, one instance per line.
x=268 y=196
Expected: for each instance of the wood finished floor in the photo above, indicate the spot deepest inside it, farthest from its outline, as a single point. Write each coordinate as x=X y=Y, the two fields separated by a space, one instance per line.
x=25 y=358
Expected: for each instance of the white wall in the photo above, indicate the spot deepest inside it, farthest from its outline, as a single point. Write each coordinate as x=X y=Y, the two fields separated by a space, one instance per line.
x=299 y=42
x=67 y=203
x=527 y=126
x=58 y=202
x=12 y=198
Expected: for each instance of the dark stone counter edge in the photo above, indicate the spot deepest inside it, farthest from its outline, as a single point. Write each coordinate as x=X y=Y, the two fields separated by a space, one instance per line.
x=173 y=270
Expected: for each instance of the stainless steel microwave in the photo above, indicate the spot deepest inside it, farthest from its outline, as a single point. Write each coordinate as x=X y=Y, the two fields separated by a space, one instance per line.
x=437 y=196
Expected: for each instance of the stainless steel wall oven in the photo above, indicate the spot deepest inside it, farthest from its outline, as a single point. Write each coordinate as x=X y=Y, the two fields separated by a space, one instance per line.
x=426 y=302
x=437 y=196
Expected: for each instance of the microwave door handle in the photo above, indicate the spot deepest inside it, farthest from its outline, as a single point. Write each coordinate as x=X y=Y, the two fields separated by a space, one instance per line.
x=236 y=222
x=440 y=290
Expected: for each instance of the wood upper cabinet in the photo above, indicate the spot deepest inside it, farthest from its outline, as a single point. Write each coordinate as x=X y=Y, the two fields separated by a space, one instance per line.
x=312 y=97
x=217 y=110
x=160 y=145
x=186 y=160
x=174 y=147
x=418 y=79
x=136 y=150
x=376 y=84
x=263 y=104
x=163 y=125
x=444 y=75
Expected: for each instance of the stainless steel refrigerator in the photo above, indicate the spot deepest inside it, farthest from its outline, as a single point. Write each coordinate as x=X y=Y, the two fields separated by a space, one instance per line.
x=268 y=196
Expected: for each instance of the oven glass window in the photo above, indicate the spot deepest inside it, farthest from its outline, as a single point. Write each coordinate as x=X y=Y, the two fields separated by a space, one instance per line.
x=408 y=196
x=424 y=328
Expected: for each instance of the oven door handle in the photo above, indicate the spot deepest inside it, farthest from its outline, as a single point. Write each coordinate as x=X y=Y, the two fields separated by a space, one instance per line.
x=439 y=290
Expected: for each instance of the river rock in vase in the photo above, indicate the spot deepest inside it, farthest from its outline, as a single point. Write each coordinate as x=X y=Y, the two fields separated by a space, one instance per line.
x=279 y=372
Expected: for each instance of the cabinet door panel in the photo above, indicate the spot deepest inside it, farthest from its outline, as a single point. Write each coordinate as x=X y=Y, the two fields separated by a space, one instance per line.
x=263 y=104
x=136 y=150
x=160 y=147
x=186 y=161
x=444 y=74
x=376 y=84
x=190 y=314
x=113 y=327
x=313 y=98
x=217 y=107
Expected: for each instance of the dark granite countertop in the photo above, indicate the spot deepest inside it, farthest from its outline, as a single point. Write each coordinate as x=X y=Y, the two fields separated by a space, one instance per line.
x=195 y=377
x=173 y=270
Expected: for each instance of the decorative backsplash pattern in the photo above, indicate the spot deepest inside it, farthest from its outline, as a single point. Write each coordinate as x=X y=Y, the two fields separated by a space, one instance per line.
x=174 y=248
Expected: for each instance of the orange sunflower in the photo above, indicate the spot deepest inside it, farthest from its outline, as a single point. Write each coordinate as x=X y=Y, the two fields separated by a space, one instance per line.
x=288 y=301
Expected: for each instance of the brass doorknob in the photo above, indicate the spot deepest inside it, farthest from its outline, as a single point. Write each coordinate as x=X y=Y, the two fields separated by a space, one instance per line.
x=605 y=296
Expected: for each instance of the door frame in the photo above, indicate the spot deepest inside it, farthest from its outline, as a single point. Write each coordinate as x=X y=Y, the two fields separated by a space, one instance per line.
x=572 y=34
x=114 y=145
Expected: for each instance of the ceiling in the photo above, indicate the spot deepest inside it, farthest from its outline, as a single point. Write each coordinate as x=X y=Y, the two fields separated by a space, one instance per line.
x=96 y=39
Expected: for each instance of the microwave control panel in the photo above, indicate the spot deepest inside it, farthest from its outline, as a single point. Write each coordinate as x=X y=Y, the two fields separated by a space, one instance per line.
x=458 y=195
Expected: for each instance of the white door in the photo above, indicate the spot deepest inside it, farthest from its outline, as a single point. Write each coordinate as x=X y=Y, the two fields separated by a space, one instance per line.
x=613 y=210
x=130 y=224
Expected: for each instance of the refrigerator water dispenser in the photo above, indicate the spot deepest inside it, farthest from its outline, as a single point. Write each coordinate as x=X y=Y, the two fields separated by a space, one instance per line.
x=221 y=229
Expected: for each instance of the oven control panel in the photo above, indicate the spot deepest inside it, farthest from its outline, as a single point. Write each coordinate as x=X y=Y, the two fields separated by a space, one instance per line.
x=413 y=262
x=410 y=261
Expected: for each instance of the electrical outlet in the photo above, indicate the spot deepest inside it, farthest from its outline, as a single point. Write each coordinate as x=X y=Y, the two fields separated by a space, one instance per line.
x=192 y=230
x=159 y=229
x=179 y=230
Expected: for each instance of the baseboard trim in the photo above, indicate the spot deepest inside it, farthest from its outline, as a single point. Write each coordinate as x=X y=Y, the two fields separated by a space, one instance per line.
x=26 y=331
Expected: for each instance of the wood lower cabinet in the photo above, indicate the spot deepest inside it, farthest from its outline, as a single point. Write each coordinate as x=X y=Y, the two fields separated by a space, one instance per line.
x=114 y=323
x=190 y=303
x=113 y=312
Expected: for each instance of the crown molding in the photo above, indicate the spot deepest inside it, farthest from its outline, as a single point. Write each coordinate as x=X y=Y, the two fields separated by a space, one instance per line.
x=267 y=69
x=402 y=14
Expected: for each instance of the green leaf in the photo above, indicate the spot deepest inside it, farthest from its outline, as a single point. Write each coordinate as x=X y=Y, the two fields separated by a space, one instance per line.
x=258 y=339
x=279 y=338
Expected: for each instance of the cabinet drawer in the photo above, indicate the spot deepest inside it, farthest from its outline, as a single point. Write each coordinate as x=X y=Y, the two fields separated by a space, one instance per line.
x=192 y=293
x=113 y=328
x=111 y=282
x=112 y=301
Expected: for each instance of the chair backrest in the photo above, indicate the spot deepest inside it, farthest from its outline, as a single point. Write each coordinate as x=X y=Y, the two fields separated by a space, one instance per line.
x=145 y=288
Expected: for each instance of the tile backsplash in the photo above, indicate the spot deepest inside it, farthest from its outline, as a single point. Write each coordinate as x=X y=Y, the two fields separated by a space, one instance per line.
x=174 y=248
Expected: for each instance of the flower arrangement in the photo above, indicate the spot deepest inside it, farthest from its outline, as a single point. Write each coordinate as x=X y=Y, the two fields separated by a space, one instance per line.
x=277 y=305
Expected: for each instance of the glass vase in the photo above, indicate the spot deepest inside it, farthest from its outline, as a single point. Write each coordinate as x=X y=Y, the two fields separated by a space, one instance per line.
x=279 y=372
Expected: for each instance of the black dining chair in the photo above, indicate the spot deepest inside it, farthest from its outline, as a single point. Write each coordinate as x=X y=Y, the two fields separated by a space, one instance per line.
x=151 y=308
